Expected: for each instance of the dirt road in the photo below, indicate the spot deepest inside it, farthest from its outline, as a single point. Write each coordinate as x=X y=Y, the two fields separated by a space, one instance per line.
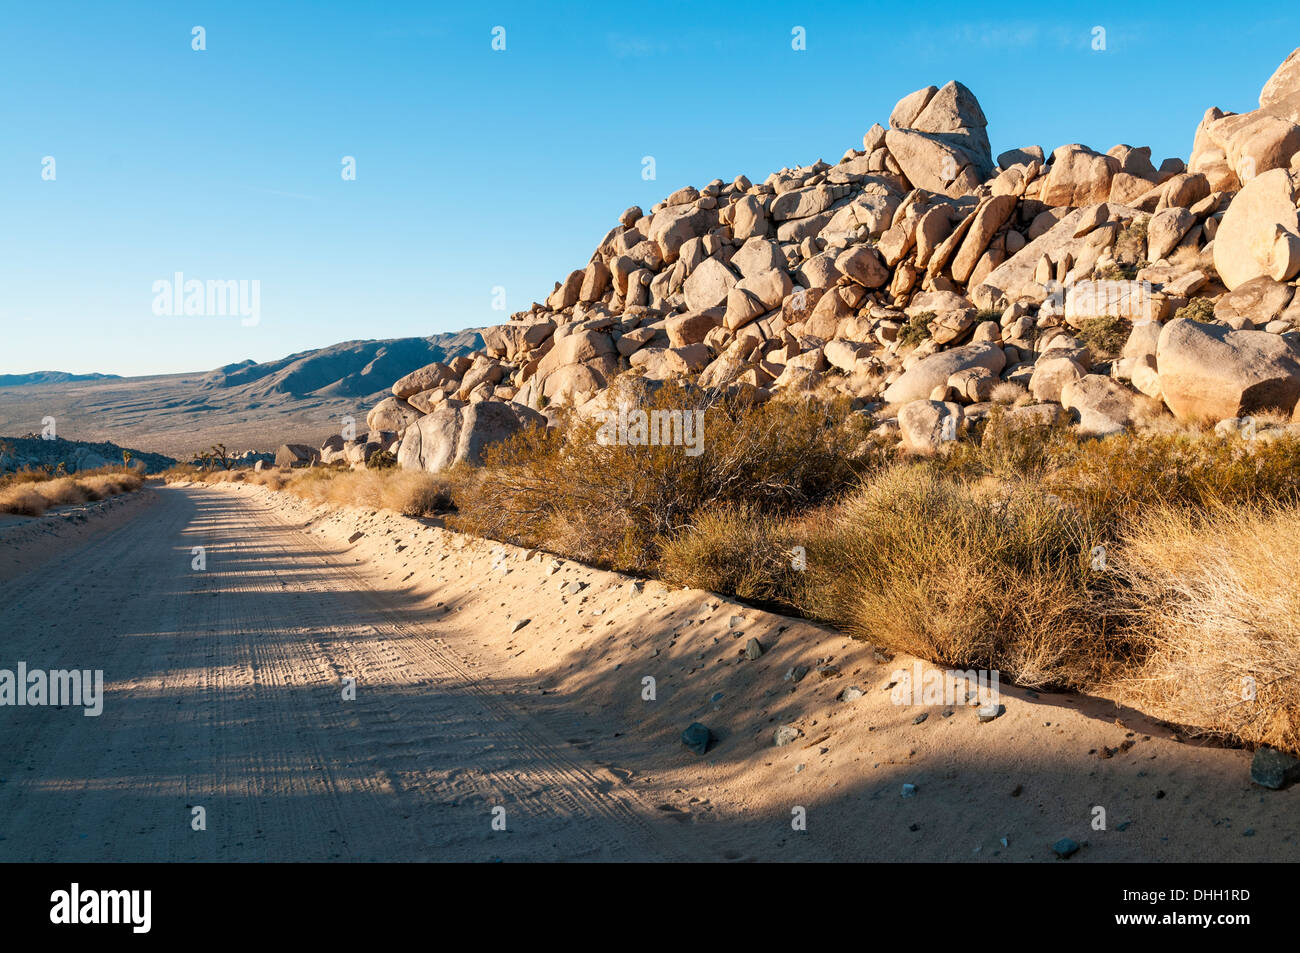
x=490 y=679
x=224 y=690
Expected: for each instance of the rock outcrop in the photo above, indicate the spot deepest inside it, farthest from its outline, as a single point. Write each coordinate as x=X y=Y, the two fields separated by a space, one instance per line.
x=916 y=275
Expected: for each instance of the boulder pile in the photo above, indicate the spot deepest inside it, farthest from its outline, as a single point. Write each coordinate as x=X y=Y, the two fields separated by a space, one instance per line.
x=926 y=280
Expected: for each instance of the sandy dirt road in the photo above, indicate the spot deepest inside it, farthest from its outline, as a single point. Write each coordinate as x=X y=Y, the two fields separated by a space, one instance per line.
x=224 y=691
x=492 y=677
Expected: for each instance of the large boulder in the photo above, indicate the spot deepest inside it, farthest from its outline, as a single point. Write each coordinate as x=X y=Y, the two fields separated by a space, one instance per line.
x=425 y=378
x=1231 y=149
x=690 y=328
x=862 y=264
x=919 y=381
x=1104 y=405
x=391 y=413
x=1255 y=302
x=1210 y=372
x=458 y=432
x=491 y=421
x=1079 y=176
x=756 y=256
x=939 y=139
x=708 y=285
x=1281 y=94
x=673 y=226
x=1052 y=373
x=1260 y=232
x=296 y=455
x=504 y=340
x=927 y=425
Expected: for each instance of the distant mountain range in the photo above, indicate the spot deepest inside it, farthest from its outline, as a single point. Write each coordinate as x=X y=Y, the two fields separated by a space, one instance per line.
x=50 y=377
x=299 y=398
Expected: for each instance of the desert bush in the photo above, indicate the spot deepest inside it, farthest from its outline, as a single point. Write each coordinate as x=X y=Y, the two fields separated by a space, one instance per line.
x=916 y=329
x=1212 y=602
x=614 y=504
x=733 y=549
x=21 y=500
x=930 y=566
x=1198 y=309
x=407 y=492
x=26 y=475
x=1105 y=335
x=1127 y=473
x=1005 y=449
x=28 y=497
x=65 y=491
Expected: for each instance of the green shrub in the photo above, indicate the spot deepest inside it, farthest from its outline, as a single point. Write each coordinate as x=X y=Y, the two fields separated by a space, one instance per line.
x=916 y=329
x=1105 y=335
x=1198 y=309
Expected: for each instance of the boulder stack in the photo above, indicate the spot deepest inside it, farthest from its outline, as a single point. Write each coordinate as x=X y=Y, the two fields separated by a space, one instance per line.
x=920 y=270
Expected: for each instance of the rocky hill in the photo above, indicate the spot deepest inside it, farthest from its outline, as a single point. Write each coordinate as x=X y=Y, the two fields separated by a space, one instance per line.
x=927 y=280
x=33 y=452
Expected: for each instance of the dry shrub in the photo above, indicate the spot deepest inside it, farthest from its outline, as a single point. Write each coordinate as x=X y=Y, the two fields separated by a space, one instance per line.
x=103 y=485
x=26 y=475
x=1007 y=449
x=403 y=491
x=613 y=504
x=22 y=500
x=272 y=479
x=733 y=549
x=1213 y=604
x=1127 y=473
x=64 y=491
x=927 y=565
x=33 y=498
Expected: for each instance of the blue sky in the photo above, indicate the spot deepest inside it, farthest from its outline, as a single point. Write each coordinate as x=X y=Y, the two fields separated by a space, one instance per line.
x=478 y=169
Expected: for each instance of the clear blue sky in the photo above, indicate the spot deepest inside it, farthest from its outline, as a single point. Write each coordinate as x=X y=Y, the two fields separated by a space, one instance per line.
x=477 y=168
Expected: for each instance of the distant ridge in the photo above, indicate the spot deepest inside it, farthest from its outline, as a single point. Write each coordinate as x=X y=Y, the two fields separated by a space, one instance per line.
x=51 y=377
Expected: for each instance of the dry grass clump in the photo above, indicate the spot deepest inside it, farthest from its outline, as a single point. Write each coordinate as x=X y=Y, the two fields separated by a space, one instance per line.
x=22 y=500
x=26 y=497
x=410 y=493
x=735 y=549
x=1213 y=605
x=402 y=491
x=1128 y=473
x=931 y=566
x=25 y=475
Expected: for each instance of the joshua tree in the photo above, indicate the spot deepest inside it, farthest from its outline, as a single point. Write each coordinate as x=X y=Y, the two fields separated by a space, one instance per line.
x=126 y=458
